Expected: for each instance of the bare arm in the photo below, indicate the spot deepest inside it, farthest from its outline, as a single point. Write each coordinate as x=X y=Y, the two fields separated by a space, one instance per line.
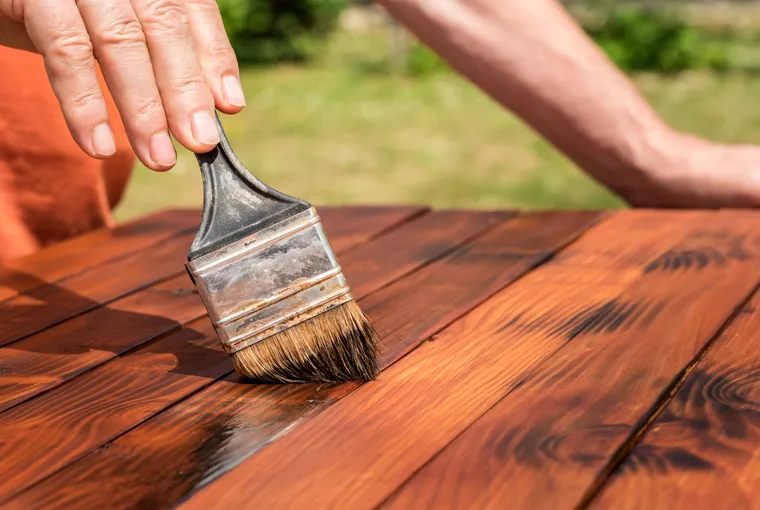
x=534 y=59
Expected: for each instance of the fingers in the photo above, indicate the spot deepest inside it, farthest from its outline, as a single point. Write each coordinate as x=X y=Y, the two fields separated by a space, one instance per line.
x=12 y=31
x=220 y=66
x=120 y=47
x=187 y=98
x=168 y=64
x=13 y=34
x=61 y=37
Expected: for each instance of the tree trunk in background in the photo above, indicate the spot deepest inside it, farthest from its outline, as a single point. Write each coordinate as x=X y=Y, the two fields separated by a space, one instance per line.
x=398 y=44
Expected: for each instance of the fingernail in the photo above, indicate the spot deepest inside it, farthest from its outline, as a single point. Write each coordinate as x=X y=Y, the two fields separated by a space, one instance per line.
x=103 y=142
x=162 y=150
x=204 y=128
x=233 y=91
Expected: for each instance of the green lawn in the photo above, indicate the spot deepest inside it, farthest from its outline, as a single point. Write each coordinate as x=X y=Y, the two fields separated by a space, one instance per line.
x=340 y=131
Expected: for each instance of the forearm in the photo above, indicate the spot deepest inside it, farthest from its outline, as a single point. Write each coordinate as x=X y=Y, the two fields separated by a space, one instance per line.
x=534 y=59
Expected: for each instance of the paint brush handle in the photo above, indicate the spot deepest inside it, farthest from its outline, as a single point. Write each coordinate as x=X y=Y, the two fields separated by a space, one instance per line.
x=235 y=202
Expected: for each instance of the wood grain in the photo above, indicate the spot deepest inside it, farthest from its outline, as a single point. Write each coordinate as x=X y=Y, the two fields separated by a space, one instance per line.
x=51 y=357
x=55 y=355
x=357 y=452
x=199 y=439
x=548 y=441
x=70 y=257
x=105 y=402
x=351 y=226
x=472 y=274
x=703 y=450
x=46 y=433
x=426 y=238
x=49 y=304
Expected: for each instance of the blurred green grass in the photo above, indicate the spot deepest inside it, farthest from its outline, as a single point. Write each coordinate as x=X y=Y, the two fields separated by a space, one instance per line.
x=343 y=131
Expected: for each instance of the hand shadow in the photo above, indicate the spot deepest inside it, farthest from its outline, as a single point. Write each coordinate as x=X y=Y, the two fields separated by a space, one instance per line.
x=103 y=328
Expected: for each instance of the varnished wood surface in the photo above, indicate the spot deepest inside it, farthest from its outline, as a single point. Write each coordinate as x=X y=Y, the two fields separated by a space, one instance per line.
x=557 y=432
x=404 y=316
x=704 y=445
x=129 y=390
x=80 y=253
x=535 y=360
x=49 y=358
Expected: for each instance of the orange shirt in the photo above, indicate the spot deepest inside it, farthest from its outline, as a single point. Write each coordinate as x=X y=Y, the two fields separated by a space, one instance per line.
x=49 y=188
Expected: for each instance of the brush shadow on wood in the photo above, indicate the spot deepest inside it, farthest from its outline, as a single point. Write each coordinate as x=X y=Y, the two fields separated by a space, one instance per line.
x=209 y=433
x=149 y=379
x=72 y=256
x=49 y=358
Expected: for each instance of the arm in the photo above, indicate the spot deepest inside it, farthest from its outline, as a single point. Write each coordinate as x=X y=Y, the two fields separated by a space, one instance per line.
x=533 y=58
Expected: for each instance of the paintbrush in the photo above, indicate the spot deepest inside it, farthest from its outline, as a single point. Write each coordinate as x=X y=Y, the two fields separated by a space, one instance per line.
x=271 y=283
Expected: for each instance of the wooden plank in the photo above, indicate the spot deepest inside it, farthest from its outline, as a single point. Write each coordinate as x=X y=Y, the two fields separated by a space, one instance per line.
x=51 y=357
x=191 y=438
x=198 y=439
x=471 y=275
x=350 y=226
x=105 y=402
x=72 y=256
x=427 y=238
x=357 y=452
x=703 y=450
x=548 y=441
x=49 y=304
x=55 y=355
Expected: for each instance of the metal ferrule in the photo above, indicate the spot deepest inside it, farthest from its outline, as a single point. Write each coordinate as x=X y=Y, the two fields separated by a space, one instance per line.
x=270 y=281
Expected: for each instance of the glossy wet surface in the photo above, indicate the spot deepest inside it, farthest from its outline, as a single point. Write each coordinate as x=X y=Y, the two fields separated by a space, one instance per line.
x=536 y=360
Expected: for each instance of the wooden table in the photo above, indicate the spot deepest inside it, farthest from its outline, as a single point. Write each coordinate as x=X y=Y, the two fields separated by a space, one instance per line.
x=546 y=360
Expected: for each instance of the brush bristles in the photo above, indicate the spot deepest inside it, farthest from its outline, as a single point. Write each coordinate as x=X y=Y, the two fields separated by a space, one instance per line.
x=336 y=346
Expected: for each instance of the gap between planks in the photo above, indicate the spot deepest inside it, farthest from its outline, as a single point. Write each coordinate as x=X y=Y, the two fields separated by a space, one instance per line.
x=461 y=225
x=180 y=295
x=469 y=459
x=522 y=259
x=328 y=447
x=650 y=417
x=49 y=304
x=703 y=448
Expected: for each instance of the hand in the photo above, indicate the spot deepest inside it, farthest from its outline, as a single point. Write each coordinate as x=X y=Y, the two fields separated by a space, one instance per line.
x=168 y=65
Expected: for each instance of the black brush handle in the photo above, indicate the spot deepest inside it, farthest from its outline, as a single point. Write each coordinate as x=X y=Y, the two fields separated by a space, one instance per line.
x=235 y=203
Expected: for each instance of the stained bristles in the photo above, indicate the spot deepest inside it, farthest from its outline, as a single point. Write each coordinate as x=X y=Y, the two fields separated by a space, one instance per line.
x=336 y=346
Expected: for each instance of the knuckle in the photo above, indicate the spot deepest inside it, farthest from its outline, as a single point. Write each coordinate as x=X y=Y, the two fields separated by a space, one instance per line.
x=166 y=15
x=86 y=100
x=122 y=29
x=190 y=85
x=14 y=9
x=71 y=45
x=148 y=109
x=218 y=51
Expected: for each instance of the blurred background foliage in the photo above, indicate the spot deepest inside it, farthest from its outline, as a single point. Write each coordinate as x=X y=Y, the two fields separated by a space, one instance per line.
x=655 y=39
x=637 y=36
x=346 y=107
x=271 y=31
